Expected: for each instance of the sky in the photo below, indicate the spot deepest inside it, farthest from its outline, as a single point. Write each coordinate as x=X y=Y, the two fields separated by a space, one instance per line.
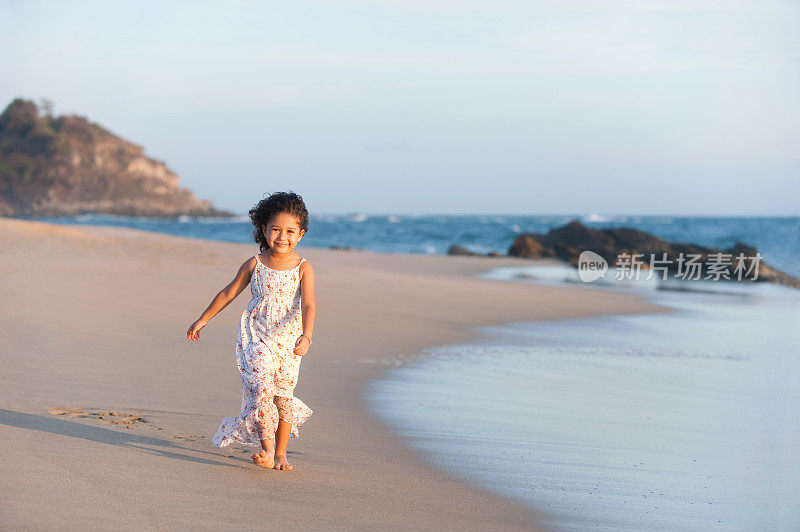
x=454 y=107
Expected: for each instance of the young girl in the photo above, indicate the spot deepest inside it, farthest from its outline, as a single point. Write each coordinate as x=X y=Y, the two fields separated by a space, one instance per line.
x=274 y=332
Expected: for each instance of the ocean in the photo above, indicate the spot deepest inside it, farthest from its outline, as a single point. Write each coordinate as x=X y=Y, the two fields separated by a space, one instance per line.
x=777 y=238
x=684 y=420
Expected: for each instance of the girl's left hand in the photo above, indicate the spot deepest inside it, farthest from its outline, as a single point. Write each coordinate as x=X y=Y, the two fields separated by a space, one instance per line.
x=301 y=346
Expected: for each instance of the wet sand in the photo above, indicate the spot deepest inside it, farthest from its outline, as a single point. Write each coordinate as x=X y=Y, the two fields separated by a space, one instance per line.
x=107 y=410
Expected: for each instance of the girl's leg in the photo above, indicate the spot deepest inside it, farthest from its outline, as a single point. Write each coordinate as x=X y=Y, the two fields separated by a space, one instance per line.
x=266 y=457
x=284 y=405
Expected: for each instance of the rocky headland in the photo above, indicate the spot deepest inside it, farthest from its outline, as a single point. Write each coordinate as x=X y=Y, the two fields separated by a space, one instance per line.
x=67 y=165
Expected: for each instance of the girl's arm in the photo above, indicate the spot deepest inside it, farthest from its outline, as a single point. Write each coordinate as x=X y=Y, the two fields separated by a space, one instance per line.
x=307 y=305
x=223 y=298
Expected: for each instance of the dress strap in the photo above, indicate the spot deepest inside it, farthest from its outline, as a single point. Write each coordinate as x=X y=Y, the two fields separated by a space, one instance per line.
x=302 y=260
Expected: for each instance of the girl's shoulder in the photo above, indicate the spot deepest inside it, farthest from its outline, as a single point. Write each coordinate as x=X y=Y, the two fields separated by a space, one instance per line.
x=305 y=266
x=251 y=264
x=246 y=270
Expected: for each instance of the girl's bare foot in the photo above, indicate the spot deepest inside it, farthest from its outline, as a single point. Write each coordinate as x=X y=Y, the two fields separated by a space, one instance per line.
x=263 y=459
x=281 y=463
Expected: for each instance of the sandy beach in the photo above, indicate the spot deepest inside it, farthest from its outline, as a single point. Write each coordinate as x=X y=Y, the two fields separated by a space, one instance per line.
x=94 y=322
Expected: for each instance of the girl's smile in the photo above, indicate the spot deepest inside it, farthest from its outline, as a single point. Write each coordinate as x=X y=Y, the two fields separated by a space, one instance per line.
x=282 y=233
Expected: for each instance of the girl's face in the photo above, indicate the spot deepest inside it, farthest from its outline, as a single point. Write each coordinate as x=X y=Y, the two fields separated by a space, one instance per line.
x=282 y=233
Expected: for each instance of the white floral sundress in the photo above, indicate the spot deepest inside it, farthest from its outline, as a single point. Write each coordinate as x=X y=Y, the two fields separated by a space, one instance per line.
x=268 y=330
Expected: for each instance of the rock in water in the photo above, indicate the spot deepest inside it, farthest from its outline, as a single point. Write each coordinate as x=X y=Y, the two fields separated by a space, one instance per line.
x=568 y=241
x=67 y=165
x=459 y=250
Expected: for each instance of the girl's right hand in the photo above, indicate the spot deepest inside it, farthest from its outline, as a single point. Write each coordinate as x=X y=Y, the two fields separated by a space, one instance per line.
x=194 y=330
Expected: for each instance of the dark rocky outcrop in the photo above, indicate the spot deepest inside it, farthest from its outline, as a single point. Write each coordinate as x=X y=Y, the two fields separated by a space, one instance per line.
x=66 y=165
x=461 y=250
x=567 y=243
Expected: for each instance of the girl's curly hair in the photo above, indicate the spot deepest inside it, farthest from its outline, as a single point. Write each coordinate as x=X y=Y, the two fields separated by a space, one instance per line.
x=266 y=209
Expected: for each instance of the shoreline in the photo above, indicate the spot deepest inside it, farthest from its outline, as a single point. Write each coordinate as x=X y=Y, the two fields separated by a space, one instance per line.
x=351 y=470
x=690 y=384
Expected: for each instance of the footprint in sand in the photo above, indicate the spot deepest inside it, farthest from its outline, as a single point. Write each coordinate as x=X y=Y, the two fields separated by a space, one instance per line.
x=189 y=437
x=129 y=420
